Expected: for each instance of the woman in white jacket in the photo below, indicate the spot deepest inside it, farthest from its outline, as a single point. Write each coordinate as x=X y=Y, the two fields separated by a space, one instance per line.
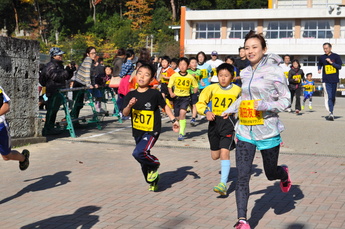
x=264 y=94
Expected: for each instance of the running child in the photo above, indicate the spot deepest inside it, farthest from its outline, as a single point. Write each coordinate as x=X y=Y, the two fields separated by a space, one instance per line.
x=143 y=105
x=182 y=83
x=309 y=88
x=164 y=74
x=213 y=101
x=196 y=73
x=5 y=139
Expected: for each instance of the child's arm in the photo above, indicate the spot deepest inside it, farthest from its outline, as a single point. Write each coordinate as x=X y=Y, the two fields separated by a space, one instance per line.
x=4 y=108
x=172 y=94
x=171 y=116
x=127 y=110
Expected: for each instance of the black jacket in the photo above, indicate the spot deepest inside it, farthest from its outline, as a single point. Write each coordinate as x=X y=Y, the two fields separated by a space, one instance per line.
x=56 y=76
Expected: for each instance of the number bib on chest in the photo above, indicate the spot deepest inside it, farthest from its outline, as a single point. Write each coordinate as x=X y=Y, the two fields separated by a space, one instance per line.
x=143 y=120
x=309 y=88
x=183 y=83
x=329 y=69
x=221 y=102
x=204 y=73
x=164 y=80
x=298 y=77
x=248 y=115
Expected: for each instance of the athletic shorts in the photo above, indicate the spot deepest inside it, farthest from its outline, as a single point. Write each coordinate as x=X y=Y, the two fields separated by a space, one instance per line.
x=181 y=103
x=194 y=98
x=164 y=90
x=5 y=139
x=221 y=133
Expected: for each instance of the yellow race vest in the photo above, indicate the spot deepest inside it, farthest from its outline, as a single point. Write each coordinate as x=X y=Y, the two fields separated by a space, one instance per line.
x=248 y=115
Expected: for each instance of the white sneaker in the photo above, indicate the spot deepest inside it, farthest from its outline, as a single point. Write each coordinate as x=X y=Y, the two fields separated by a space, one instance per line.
x=330 y=117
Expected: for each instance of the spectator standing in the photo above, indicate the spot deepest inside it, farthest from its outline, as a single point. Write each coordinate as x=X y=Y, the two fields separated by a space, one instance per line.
x=56 y=78
x=214 y=63
x=296 y=77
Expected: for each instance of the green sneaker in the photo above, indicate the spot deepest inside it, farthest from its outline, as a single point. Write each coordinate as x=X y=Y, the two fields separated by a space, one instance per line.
x=302 y=107
x=152 y=175
x=310 y=107
x=220 y=188
x=154 y=185
x=23 y=165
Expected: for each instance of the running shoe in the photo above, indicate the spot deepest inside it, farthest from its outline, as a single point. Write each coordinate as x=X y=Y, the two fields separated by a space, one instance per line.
x=302 y=107
x=193 y=122
x=220 y=189
x=180 y=137
x=330 y=117
x=23 y=165
x=310 y=107
x=154 y=185
x=152 y=175
x=242 y=224
x=285 y=185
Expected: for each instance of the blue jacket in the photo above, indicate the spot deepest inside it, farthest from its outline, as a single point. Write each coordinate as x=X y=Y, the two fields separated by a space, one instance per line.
x=330 y=72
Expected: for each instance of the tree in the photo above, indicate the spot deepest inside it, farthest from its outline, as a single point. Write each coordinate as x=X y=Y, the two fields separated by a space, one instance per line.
x=139 y=12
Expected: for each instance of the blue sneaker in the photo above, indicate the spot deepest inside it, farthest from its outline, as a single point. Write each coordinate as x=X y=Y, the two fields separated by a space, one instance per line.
x=180 y=137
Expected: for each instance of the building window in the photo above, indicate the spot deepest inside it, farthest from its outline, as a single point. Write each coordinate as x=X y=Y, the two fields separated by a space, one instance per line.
x=310 y=60
x=207 y=30
x=317 y=29
x=240 y=29
x=279 y=29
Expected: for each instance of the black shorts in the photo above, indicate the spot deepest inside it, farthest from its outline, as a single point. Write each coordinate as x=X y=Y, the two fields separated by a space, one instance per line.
x=164 y=90
x=180 y=103
x=221 y=133
x=194 y=98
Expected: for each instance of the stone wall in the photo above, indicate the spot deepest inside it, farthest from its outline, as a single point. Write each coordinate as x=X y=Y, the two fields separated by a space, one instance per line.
x=19 y=61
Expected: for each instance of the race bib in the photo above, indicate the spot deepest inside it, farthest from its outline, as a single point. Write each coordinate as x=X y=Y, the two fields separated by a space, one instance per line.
x=214 y=71
x=183 y=83
x=298 y=77
x=309 y=87
x=221 y=102
x=164 y=80
x=204 y=73
x=286 y=74
x=143 y=120
x=329 y=69
x=248 y=115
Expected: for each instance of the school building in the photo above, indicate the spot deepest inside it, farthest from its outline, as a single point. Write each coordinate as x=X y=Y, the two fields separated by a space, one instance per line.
x=294 y=27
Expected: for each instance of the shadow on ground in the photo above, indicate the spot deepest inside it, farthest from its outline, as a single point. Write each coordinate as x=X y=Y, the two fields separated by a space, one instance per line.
x=273 y=198
x=172 y=177
x=43 y=183
x=81 y=218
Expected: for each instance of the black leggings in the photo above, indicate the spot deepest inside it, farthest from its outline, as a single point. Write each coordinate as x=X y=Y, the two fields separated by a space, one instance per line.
x=245 y=152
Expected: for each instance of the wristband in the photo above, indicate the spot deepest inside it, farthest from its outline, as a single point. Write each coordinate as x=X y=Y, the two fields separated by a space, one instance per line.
x=174 y=120
x=207 y=110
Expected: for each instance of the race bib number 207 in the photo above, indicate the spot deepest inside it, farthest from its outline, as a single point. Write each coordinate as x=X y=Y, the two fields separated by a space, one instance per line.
x=143 y=120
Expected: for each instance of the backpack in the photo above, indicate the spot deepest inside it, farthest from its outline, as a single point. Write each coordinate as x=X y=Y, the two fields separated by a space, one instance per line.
x=43 y=77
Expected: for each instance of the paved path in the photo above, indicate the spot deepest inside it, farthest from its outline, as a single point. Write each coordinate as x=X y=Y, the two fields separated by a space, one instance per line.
x=93 y=181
